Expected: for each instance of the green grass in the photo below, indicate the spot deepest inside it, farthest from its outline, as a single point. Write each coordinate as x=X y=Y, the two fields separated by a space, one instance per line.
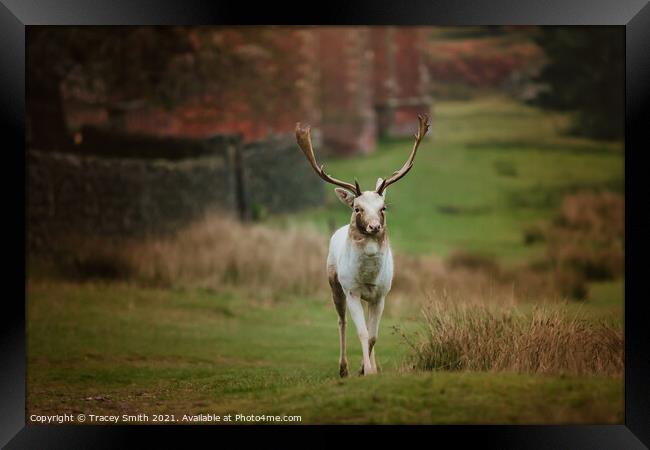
x=122 y=349
x=492 y=167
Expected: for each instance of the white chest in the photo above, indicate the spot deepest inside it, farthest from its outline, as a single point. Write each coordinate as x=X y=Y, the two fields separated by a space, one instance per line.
x=369 y=261
x=370 y=271
x=365 y=268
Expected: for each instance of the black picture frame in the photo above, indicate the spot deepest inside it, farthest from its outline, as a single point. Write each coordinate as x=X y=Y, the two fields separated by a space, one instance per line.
x=634 y=15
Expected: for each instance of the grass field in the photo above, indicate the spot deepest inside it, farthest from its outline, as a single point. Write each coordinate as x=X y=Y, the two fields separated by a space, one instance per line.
x=492 y=168
x=119 y=349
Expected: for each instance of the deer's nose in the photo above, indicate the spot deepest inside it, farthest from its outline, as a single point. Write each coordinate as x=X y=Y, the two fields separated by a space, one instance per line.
x=374 y=228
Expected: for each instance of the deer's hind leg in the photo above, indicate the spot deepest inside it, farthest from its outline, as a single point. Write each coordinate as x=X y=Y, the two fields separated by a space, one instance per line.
x=340 y=304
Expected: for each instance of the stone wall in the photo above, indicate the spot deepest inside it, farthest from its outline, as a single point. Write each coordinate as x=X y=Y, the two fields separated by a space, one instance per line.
x=105 y=142
x=90 y=195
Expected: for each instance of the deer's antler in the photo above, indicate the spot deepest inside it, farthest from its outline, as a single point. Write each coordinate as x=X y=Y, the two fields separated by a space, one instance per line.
x=304 y=142
x=422 y=130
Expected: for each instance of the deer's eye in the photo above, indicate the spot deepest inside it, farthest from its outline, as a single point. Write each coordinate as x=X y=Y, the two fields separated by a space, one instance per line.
x=356 y=210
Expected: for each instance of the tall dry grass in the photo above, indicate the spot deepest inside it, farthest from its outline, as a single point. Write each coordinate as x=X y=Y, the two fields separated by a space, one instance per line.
x=221 y=252
x=481 y=337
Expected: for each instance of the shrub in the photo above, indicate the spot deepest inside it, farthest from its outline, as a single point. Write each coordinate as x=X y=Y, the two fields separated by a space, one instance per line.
x=587 y=235
x=597 y=213
x=475 y=337
x=584 y=242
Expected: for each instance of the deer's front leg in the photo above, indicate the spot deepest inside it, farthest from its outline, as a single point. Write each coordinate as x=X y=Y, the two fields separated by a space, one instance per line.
x=375 y=311
x=356 y=311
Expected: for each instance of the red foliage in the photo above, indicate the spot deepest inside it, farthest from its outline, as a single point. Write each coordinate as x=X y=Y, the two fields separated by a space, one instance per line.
x=479 y=62
x=250 y=89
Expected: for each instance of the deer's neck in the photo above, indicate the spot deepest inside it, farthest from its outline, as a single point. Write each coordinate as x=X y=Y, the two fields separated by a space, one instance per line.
x=369 y=244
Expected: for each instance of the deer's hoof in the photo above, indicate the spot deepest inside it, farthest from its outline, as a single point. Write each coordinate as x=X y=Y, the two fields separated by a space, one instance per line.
x=343 y=370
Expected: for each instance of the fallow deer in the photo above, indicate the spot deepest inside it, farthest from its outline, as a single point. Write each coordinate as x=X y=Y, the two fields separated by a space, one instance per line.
x=360 y=261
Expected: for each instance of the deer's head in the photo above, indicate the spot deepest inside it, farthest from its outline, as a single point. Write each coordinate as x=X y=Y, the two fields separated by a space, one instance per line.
x=368 y=207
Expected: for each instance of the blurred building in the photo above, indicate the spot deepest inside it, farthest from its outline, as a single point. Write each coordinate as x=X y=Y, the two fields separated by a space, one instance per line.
x=353 y=84
x=400 y=78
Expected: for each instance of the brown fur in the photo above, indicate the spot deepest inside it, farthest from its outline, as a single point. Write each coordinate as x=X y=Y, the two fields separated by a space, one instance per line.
x=360 y=237
x=338 y=297
x=359 y=220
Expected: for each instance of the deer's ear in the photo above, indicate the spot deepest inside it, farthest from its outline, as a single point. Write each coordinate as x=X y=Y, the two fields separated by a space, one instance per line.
x=377 y=184
x=345 y=196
